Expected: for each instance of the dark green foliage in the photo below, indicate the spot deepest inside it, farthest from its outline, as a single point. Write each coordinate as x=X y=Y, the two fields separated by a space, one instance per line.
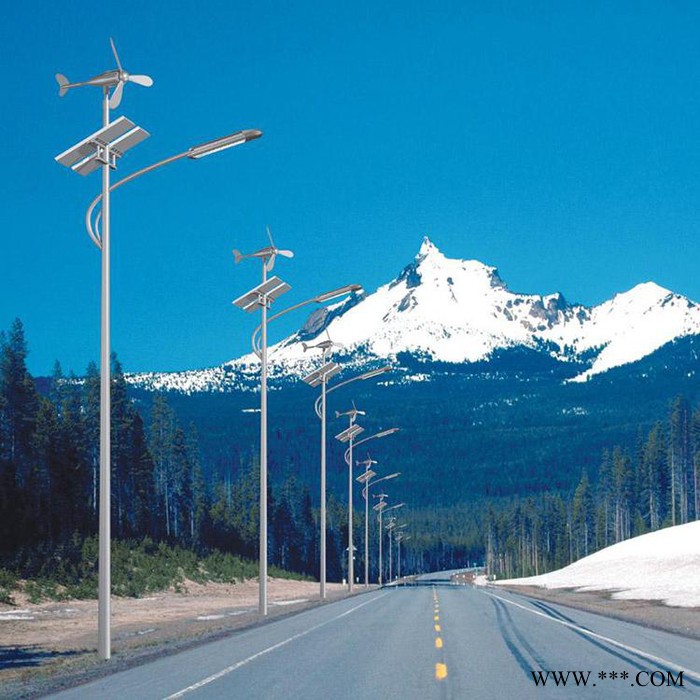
x=514 y=478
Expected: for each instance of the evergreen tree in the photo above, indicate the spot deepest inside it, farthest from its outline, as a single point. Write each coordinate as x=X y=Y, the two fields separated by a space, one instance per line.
x=582 y=517
x=653 y=467
x=679 y=460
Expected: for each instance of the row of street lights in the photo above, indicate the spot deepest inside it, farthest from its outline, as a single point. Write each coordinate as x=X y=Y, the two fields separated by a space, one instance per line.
x=103 y=149
x=261 y=297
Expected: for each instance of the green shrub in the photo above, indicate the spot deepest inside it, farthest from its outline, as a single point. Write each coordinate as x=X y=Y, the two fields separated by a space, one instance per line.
x=8 y=583
x=139 y=567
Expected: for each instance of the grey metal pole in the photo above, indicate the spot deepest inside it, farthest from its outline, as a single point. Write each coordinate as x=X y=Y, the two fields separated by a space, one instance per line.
x=351 y=562
x=379 y=577
x=391 y=577
x=398 y=557
x=366 y=492
x=323 y=488
x=262 y=554
x=104 y=642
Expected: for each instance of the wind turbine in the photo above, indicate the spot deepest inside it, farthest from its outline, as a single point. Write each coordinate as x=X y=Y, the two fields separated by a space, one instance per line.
x=117 y=78
x=269 y=253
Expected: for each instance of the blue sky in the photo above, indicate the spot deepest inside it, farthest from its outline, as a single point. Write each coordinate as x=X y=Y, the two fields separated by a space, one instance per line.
x=556 y=141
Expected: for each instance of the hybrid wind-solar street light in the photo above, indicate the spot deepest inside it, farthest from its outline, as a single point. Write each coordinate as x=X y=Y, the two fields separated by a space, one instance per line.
x=380 y=507
x=261 y=297
x=104 y=148
x=320 y=377
x=400 y=537
x=348 y=435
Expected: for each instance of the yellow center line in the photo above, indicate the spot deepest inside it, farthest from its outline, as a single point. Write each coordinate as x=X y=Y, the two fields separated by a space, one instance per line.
x=437 y=628
x=437 y=618
x=438 y=643
x=440 y=671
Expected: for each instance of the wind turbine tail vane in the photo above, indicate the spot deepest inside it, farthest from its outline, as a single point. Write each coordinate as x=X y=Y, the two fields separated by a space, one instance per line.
x=62 y=82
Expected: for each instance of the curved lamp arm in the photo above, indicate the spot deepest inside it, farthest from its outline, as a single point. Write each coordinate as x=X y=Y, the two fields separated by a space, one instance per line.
x=194 y=153
x=366 y=375
x=365 y=490
x=380 y=434
x=319 y=299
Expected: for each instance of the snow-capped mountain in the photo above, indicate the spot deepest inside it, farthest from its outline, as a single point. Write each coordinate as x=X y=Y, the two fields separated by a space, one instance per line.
x=461 y=311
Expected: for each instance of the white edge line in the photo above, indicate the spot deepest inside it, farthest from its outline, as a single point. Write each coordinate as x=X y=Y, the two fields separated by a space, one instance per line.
x=234 y=667
x=657 y=659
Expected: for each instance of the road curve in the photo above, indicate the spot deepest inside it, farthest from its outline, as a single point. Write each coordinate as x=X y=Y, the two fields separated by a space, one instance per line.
x=439 y=641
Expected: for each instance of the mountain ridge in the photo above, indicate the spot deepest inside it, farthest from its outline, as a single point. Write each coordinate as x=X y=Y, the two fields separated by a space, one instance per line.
x=458 y=311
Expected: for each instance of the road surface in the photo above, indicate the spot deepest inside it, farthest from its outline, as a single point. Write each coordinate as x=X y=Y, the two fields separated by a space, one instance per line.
x=431 y=641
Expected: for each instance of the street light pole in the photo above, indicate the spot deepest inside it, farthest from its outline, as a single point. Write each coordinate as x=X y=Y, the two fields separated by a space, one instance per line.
x=104 y=644
x=348 y=435
x=380 y=508
x=391 y=525
x=262 y=544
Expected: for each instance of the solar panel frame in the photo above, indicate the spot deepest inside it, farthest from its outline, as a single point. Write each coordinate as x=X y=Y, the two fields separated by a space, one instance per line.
x=126 y=141
x=272 y=289
x=103 y=136
x=365 y=476
x=349 y=433
x=328 y=370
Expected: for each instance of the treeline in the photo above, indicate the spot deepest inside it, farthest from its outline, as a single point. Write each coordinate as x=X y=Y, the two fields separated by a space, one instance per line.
x=654 y=485
x=49 y=478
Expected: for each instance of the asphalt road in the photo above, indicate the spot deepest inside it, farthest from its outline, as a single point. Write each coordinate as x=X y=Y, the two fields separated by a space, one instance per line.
x=436 y=641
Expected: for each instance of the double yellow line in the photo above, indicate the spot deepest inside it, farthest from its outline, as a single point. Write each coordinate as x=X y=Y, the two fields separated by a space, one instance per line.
x=440 y=668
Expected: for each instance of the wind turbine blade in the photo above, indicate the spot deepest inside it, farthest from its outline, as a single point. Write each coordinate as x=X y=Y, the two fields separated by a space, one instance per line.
x=116 y=55
x=270 y=263
x=269 y=235
x=116 y=98
x=285 y=253
x=144 y=80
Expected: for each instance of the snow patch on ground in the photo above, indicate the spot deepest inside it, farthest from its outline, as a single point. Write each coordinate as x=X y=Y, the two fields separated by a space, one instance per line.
x=662 y=565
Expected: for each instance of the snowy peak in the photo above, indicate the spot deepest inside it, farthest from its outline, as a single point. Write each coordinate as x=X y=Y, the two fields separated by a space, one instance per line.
x=427 y=247
x=457 y=310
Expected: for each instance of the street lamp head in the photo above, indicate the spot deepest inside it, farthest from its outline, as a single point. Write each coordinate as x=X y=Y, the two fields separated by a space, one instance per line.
x=384 y=433
x=375 y=372
x=341 y=291
x=239 y=137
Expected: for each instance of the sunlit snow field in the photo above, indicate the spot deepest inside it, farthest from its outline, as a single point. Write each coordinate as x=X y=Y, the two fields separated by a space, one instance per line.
x=662 y=565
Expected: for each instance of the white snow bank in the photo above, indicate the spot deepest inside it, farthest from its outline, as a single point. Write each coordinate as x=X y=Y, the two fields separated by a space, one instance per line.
x=662 y=565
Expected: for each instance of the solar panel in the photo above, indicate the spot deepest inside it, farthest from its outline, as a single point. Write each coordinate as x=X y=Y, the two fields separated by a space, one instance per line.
x=272 y=289
x=126 y=141
x=87 y=165
x=366 y=476
x=349 y=433
x=325 y=372
x=86 y=147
